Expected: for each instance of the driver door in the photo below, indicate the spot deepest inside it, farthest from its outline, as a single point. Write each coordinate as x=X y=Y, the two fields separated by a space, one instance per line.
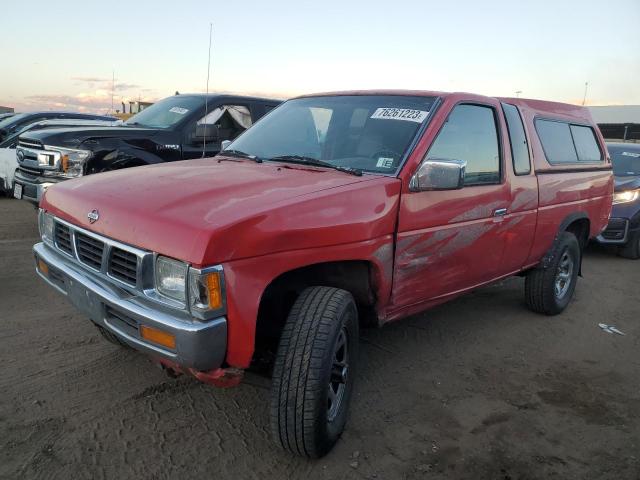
x=452 y=240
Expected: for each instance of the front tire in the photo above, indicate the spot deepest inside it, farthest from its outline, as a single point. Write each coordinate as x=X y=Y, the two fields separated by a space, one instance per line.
x=549 y=290
x=314 y=371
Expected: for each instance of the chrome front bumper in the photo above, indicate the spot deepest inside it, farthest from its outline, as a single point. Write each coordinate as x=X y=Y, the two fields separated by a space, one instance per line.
x=200 y=345
x=32 y=191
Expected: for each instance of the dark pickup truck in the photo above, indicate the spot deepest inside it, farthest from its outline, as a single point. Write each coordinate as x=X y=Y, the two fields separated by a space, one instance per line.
x=176 y=128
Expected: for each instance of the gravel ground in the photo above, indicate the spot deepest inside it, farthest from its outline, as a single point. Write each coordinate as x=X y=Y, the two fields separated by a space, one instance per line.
x=478 y=388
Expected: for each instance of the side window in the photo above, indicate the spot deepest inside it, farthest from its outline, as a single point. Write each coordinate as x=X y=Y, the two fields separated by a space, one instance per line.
x=225 y=122
x=470 y=134
x=556 y=141
x=518 y=139
x=566 y=143
x=586 y=144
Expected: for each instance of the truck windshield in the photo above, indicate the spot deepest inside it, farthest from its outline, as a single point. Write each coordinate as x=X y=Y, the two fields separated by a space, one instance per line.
x=626 y=162
x=366 y=132
x=167 y=112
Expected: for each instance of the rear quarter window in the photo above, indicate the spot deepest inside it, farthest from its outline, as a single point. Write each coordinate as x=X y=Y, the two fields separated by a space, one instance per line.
x=518 y=140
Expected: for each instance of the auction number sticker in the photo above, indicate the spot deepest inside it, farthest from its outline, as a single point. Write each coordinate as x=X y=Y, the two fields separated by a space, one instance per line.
x=179 y=110
x=405 y=114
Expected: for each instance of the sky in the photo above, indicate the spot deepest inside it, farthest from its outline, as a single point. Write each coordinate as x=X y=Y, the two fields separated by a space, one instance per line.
x=65 y=55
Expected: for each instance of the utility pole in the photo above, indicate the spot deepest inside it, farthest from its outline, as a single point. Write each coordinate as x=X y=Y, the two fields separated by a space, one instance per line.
x=584 y=99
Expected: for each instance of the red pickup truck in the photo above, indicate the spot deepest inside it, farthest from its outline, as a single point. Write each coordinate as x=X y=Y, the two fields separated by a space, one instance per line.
x=332 y=212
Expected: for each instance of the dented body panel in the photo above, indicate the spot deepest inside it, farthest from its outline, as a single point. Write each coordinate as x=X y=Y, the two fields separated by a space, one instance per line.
x=260 y=221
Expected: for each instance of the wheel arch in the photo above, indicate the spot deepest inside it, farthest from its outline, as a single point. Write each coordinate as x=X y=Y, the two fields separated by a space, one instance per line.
x=355 y=276
x=577 y=223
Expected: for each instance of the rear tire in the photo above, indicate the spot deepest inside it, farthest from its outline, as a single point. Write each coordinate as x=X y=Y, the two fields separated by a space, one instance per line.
x=632 y=248
x=549 y=290
x=314 y=371
x=111 y=338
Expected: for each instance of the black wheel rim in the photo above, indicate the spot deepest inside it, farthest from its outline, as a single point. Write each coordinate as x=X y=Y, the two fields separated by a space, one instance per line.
x=339 y=375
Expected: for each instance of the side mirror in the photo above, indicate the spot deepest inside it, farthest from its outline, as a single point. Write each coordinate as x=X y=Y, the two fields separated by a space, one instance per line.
x=225 y=144
x=438 y=174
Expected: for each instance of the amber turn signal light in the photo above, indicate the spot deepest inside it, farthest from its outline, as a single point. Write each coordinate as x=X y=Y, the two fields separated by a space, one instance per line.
x=158 y=336
x=215 y=292
x=43 y=267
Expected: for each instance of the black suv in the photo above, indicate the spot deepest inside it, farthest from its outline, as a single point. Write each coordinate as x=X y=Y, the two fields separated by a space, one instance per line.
x=176 y=128
x=624 y=225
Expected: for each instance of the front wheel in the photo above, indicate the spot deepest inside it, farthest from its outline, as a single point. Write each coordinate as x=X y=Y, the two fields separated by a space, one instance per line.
x=314 y=371
x=549 y=290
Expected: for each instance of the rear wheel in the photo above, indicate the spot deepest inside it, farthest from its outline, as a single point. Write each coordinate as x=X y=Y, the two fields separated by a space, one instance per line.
x=549 y=290
x=314 y=371
x=632 y=247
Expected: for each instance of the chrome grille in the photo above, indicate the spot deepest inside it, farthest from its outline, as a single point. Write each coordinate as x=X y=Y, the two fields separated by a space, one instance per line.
x=63 y=238
x=123 y=265
x=25 y=142
x=90 y=250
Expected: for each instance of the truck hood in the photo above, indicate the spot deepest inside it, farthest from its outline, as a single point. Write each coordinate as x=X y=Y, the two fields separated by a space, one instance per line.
x=214 y=210
x=74 y=137
x=626 y=183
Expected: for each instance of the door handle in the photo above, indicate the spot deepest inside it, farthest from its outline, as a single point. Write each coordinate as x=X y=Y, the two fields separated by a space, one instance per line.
x=500 y=212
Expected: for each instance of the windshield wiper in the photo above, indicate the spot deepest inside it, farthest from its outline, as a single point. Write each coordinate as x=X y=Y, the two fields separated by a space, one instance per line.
x=240 y=154
x=302 y=160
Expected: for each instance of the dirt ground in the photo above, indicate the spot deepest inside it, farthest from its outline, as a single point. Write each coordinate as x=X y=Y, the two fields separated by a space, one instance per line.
x=478 y=388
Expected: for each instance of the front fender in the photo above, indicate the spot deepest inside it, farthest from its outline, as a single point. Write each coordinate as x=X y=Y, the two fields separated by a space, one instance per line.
x=247 y=279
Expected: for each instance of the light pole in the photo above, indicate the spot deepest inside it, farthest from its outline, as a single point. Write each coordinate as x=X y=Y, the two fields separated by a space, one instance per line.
x=584 y=99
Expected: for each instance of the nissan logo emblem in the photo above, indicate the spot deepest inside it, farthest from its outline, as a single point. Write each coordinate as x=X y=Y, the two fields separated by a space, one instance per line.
x=93 y=216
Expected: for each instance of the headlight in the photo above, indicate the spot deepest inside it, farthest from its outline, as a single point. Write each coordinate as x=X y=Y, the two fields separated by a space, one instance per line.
x=71 y=160
x=626 y=197
x=48 y=159
x=206 y=291
x=45 y=225
x=171 y=278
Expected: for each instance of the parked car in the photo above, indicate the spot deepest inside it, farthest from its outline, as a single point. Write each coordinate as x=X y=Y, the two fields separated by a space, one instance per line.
x=6 y=115
x=8 y=161
x=623 y=230
x=15 y=123
x=334 y=211
x=176 y=128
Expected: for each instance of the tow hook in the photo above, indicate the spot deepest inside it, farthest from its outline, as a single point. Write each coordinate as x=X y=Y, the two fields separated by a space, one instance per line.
x=219 y=377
